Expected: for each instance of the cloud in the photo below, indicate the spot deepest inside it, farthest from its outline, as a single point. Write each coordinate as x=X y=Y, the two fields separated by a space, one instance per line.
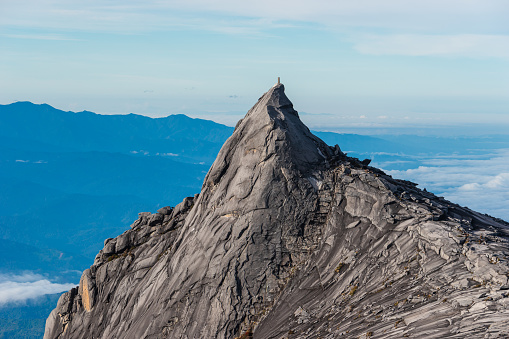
x=19 y=288
x=127 y=18
x=455 y=16
x=500 y=181
x=471 y=45
x=481 y=184
x=55 y=37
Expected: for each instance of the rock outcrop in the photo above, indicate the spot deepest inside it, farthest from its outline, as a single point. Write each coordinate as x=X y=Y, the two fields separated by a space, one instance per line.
x=291 y=238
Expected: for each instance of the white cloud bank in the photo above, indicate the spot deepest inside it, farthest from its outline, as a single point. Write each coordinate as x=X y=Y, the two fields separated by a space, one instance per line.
x=472 y=45
x=19 y=288
x=482 y=185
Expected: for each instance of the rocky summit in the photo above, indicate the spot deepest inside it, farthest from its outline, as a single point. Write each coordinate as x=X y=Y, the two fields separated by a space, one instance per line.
x=291 y=238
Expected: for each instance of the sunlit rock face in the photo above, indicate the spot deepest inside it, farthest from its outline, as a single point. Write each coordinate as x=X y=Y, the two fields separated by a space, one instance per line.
x=291 y=238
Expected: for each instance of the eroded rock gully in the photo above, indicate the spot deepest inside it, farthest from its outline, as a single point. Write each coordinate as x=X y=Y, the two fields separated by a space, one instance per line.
x=291 y=238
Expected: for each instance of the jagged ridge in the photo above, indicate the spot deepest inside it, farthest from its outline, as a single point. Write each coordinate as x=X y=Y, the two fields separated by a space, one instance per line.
x=291 y=238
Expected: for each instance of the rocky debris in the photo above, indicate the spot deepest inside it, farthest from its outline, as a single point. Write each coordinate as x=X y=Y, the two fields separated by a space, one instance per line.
x=165 y=210
x=366 y=162
x=291 y=238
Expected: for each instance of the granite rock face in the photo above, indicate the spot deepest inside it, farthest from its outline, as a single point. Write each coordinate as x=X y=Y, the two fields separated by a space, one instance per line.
x=290 y=238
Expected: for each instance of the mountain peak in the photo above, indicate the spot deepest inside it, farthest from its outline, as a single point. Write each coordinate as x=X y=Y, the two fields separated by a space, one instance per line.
x=276 y=97
x=273 y=103
x=271 y=128
x=287 y=238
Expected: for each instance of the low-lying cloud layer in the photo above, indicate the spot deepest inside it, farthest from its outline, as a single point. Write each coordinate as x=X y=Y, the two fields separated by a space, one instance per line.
x=480 y=184
x=19 y=288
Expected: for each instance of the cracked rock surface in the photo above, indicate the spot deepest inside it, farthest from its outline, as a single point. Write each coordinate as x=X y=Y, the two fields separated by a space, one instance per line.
x=291 y=238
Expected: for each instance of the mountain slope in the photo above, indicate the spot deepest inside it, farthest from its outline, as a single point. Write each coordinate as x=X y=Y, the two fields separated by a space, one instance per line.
x=291 y=238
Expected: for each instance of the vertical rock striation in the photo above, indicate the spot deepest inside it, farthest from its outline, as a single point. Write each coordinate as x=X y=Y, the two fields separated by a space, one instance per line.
x=291 y=238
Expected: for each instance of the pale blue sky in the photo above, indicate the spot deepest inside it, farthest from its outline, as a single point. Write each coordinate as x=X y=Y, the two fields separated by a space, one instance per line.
x=349 y=65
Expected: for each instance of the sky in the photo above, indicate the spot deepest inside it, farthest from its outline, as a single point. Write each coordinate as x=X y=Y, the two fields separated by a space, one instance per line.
x=364 y=65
